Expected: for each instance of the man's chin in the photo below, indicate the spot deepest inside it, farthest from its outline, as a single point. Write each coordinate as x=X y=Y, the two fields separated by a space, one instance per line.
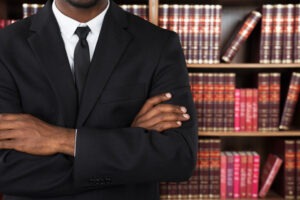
x=83 y=3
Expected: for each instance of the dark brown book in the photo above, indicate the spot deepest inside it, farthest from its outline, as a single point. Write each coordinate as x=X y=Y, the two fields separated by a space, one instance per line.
x=217 y=34
x=208 y=101
x=291 y=101
x=288 y=33
x=274 y=101
x=263 y=101
x=215 y=153
x=219 y=88
x=241 y=36
x=183 y=189
x=266 y=34
x=163 y=21
x=277 y=34
x=204 y=168
x=229 y=174
x=229 y=94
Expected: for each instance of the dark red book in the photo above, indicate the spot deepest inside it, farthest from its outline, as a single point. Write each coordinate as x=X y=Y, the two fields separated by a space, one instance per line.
x=254 y=109
x=204 y=168
x=236 y=174
x=291 y=101
x=219 y=88
x=243 y=175
x=242 y=36
x=297 y=169
x=229 y=94
x=263 y=101
x=269 y=172
x=163 y=190
x=266 y=34
x=215 y=152
x=288 y=33
x=277 y=34
x=274 y=101
x=249 y=174
x=249 y=107
x=297 y=34
x=243 y=110
x=223 y=176
x=229 y=174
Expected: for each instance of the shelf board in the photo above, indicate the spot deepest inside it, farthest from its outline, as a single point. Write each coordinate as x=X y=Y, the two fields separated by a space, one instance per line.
x=251 y=134
x=244 y=65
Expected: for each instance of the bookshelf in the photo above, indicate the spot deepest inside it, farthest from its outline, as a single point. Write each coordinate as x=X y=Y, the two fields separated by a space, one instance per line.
x=245 y=65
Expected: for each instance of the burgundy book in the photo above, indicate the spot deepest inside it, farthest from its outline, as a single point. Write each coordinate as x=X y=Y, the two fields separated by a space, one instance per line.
x=219 y=88
x=229 y=81
x=297 y=169
x=254 y=110
x=174 y=17
x=274 y=101
x=297 y=34
x=285 y=183
x=288 y=33
x=223 y=179
x=241 y=36
x=249 y=107
x=31 y=9
x=255 y=177
x=277 y=34
x=229 y=174
x=163 y=21
x=236 y=174
x=184 y=189
x=204 y=147
x=237 y=110
x=243 y=110
x=263 y=101
x=185 y=30
x=172 y=189
x=163 y=188
x=212 y=18
x=217 y=34
x=249 y=174
x=266 y=34
x=208 y=101
x=269 y=172
x=207 y=14
x=291 y=101
x=215 y=151
x=192 y=185
x=197 y=34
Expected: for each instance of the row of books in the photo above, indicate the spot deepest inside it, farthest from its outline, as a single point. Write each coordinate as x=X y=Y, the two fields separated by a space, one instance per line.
x=280 y=34
x=139 y=10
x=199 y=29
x=223 y=107
x=6 y=22
x=31 y=9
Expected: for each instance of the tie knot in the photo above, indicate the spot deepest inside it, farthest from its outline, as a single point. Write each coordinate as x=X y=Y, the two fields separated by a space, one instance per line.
x=82 y=32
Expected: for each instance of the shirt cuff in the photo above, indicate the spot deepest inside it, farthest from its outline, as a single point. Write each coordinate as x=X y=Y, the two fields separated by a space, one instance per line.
x=75 y=142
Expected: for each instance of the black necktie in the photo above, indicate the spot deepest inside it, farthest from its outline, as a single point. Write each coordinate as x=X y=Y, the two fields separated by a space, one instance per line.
x=81 y=59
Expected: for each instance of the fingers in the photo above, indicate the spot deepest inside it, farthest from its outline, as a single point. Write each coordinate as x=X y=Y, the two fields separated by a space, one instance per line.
x=8 y=134
x=153 y=101
x=162 y=126
x=13 y=121
x=7 y=144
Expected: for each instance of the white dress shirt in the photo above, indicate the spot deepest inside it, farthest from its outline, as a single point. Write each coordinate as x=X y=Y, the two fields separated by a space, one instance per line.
x=68 y=27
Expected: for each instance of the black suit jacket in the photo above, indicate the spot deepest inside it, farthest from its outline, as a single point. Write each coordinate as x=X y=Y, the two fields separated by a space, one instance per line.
x=133 y=61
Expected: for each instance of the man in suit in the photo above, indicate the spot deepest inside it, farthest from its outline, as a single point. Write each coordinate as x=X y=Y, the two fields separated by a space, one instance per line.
x=89 y=96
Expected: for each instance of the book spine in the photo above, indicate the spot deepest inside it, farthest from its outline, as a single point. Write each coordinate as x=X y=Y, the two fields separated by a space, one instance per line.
x=249 y=174
x=211 y=34
x=288 y=33
x=229 y=92
x=197 y=91
x=289 y=169
x=184 y=189
x=26 y=10
x=297 y=34
x=274 y=103
x=255 y=179
x=163 y=190
x=266 y=34
x=215 y=168
x=219 y=102
x=249 y=110
x=198 y=36
x=263 y=101
x=277 y=34
x=174 y=17
x=269 y=173
x=223 y=180
x=236 y=174
x=209 y=99
x=164 y=16
x=237 y=105
x=243 y=110
x=297 y=169
x=290 y=103
x=242 y=36
x=254 y=109
x=206 y=33
x=193 y=186
x=2 y=23
x=184 y=27
x=217 y=34
x=204 y=169
x=229 y=174
x=243 y=179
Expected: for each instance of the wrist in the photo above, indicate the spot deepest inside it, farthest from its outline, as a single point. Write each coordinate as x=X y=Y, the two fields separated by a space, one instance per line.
x=66 y=142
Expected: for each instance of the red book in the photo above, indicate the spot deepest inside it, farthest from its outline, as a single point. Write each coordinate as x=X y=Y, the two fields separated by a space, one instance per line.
x=208 y=11
x=190 y=189
x=185 y=30
x=197 y=33
x=255 y=176
x=223 y=180
x=243 y=176
x=266 y=34
x=229 y=81
x=249 y=174
x=297 y=169
x=297 y=34
x=277 y=34
x=269 y=173
x=229 y=174
x=288 y=33
x=249 y=109
x=219 y=88
x=254 y=109
x=204 y=168
x=237 y=110
x=242 y=36
x=236 y=174
x=217 y=34
x=291 y=101
x=243 y=110
x=215 y=168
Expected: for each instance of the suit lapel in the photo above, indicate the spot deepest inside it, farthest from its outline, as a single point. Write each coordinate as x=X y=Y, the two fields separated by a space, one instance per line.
x=48 y=46
x=112 y=42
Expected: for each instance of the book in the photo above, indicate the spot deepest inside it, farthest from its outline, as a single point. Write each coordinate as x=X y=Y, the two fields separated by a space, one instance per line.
x=229 y=93
x=277 y=34
x=237 y=110
x=242 y=36
x=223 y=176
x=297 y=169
x=255 y=174
x=215 y=152
x=288 y=33
x=219 y=90
x=269 y=172
x=243 y=175
x=136 y=9
x=254 y=110
x=243 y=110
x=266 y=33
x=297 y=34
x=236 y=174
x=263 y=101
x=31 y=9
x=274 y=101
x=229 y=174
x=249 y=174
x=249 y=108
x=290 y=102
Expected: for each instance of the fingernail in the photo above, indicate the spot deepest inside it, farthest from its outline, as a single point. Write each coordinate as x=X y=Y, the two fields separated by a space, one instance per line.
x=183 y=109
x=186 y=116
x=179 y=123
x=168 y=95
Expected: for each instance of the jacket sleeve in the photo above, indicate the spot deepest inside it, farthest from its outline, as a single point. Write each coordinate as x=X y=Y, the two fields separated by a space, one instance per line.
x=133 y=155
x=23 y=174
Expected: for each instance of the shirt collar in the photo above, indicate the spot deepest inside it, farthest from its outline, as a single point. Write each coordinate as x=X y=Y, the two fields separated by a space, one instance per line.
x=68 y=25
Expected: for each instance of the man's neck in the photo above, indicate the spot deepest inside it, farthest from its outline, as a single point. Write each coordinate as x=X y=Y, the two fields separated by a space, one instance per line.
x=80 y=14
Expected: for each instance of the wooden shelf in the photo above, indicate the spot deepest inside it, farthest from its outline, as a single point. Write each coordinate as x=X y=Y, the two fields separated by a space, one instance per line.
x=252 y=134
x=244 y=65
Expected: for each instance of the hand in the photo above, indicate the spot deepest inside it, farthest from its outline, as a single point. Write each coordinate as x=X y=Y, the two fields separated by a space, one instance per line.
x=160 y=117
x=31 y=135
